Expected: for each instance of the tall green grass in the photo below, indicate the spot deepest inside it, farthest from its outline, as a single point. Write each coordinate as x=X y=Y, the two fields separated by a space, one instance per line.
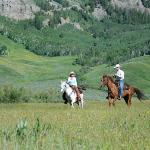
x=56 y=126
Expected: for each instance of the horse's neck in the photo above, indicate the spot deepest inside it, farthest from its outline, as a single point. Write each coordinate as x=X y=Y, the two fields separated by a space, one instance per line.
x=111 y=86
x=68 y=90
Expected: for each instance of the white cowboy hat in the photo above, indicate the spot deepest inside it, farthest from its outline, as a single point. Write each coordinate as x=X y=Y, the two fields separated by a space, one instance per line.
x=72 y=73
x=117 y=66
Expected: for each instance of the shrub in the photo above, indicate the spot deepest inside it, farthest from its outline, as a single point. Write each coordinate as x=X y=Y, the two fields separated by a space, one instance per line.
x=48 y=96
x=3 y=49
x=10 y=94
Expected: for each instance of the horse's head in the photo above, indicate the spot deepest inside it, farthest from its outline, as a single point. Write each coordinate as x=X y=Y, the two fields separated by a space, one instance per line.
x=103 y=80
x=63 y=86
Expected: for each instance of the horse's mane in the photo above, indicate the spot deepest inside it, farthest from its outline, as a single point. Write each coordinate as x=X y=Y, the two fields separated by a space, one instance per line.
x=109 y=77
x=112 y=80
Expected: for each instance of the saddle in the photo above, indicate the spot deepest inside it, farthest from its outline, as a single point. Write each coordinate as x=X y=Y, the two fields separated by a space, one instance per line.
x=79 y=88
x=126 y=86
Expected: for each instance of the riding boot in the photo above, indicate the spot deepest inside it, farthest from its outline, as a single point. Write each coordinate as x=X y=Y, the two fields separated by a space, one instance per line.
x=119 y=97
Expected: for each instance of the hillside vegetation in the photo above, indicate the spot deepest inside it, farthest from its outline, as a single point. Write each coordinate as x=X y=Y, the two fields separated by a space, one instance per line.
x=84 y=43
x=23 y=68
x=63 y=28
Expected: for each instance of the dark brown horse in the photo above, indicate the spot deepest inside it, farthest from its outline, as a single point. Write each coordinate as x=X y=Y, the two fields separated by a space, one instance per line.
x=128 y=91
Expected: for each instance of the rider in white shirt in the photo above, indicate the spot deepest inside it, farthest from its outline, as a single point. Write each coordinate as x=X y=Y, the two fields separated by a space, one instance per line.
x=119 y=79
x=73 y=83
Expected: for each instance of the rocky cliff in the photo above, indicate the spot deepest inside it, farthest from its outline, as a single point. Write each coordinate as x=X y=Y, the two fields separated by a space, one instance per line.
x=18 y=9
x=130 y=4
x=25 y=9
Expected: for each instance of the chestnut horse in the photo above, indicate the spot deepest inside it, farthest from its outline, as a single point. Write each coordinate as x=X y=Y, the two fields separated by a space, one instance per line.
x=128 y=91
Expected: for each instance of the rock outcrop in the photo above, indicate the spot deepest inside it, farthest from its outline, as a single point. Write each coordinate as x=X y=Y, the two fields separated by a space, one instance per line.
x=26 y=9
x=99 y=13
x=18 y=9
x=130 y=4
x=68 y=21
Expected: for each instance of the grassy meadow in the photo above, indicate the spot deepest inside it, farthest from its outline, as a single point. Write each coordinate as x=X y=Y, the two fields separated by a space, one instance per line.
x=57 y=126
x=32 y=113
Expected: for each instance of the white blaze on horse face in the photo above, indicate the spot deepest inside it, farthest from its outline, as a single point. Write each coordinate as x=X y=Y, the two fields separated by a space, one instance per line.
x=61 y=90
x=62 y=86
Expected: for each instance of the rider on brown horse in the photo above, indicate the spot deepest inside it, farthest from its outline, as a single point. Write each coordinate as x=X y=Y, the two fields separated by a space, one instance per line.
x=127 y=94
x=119 y=80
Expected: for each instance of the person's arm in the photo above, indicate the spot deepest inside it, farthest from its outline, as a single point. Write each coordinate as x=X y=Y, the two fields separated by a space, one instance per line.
x=120 y=75
x=76 y=82
x=68 y=80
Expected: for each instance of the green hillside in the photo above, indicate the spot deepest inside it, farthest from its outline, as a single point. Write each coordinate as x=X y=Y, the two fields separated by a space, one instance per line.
x=73 y=30
x=137 y=72
x=24 y=68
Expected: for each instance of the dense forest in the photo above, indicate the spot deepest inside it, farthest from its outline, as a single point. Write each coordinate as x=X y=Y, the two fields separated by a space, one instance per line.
x=146 y=3
x=121 y=35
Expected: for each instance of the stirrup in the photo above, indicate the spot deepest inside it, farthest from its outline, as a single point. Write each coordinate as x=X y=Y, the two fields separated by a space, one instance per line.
x=119 y=98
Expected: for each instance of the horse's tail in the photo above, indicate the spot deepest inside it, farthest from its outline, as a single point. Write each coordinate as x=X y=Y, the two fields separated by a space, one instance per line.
x=82 y=87
x=139 y=93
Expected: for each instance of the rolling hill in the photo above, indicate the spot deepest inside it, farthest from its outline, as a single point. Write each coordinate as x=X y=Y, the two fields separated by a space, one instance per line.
x=137 y=72
x=24 y=68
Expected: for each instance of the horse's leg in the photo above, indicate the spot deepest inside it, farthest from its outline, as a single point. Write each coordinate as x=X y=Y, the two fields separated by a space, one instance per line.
x=109 y=101
x=82 y=101
x=126 y=99
x=72 y=106
x=72 y=102
x=81 y=104
x=129 y=100
x=114 y=101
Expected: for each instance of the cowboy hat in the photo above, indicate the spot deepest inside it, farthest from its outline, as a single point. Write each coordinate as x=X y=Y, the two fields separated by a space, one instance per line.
x=117 y=66
x=72 y=73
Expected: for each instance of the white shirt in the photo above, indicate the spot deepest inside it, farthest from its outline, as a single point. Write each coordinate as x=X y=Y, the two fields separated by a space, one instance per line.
x=72 y=81
x=120 y=74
